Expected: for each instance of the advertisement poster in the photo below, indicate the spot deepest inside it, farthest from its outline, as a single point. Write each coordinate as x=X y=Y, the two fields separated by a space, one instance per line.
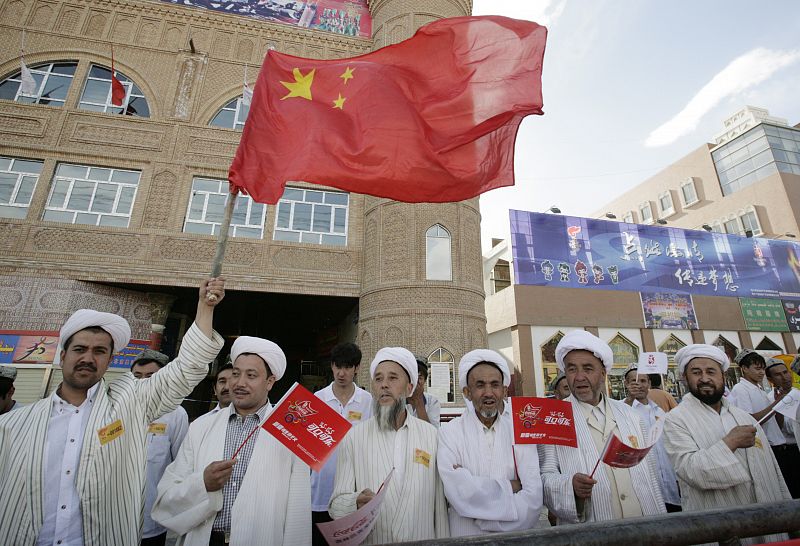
x=543 y=421
x=574 y=252
x=353 y=529
x=307 y=426
x=125 y=358
x=440 y=381
x=27 y=347
x=763 y=315
x=668 y=310
x=792 y=311
x=347 y=17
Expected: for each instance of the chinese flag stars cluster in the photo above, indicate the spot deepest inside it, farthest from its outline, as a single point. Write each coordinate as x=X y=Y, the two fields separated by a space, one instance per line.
x=301 y=86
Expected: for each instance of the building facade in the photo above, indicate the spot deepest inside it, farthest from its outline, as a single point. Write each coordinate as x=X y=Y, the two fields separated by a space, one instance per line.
x=117 y=207
x=748 y=184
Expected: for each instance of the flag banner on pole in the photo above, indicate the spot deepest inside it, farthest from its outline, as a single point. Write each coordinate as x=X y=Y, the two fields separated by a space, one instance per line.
x=652 y=363
x=621 y=455
x=28 y=83
x=543 y=421
x=307 y=426
x=789 y=405
x=247 y=95
x=352 y=529
x=431 y=119
x=117 y=89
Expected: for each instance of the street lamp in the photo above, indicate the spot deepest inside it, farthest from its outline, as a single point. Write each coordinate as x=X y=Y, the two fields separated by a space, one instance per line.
x=707 y=227
x=661 y=221
x=748 y=233
x=611 y=216
x=554 y=209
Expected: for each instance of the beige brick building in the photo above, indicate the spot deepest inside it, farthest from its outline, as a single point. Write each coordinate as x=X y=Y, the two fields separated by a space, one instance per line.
x=118 y=212
x=749 y=181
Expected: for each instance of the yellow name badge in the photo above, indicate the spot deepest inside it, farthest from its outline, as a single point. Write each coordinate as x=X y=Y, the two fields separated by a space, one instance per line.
x=422 y=457
x=758 y=443
x=634 y=441
x=110 y=432
x=353 y=415
x=157 y=428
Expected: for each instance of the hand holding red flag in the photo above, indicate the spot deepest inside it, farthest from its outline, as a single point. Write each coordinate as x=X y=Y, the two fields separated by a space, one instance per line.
x=431 y=119
x=621 y=455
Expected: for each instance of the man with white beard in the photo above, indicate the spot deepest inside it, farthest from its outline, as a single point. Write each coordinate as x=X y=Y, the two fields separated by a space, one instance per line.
x=491 y=485
x=414 y=507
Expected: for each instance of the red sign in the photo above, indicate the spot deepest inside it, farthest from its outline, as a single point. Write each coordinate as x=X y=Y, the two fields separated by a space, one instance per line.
x=307 y=426
x=543 y=421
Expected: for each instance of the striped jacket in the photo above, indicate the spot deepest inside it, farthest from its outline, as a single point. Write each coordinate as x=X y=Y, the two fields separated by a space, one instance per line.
x=111 y=477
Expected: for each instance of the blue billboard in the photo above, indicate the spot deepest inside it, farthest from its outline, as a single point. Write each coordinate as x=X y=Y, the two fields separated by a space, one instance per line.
x=575 y=252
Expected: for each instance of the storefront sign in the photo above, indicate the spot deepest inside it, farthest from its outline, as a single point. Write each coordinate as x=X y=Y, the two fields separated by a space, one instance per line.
x=763 y=315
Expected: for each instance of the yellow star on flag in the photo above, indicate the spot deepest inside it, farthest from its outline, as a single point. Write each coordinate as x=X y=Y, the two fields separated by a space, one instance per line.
x=347 y=75
x=339 y=103
x=301 y=86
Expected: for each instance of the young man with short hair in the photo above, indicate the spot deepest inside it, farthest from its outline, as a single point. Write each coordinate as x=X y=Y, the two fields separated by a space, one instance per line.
x=351 y=402
x=425 y=407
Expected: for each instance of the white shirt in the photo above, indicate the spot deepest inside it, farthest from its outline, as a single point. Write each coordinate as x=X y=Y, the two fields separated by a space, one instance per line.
x=432 y=407
x=598 y=412
x=164 y=438
x=789 y=425
x=651 y=412
x=62 y=524
x=752 y=399
x=400 y=450
x=357 y=410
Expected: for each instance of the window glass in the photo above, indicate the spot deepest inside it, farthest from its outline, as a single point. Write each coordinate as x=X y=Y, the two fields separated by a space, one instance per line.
x=206 y=210
x=52 y=84
x=312 y=216
x=438 y=259
x=232 y=115
x=96 y=94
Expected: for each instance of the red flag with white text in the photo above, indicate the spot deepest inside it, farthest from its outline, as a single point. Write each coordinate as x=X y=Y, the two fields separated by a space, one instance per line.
x=543 y=421
x=307 y=426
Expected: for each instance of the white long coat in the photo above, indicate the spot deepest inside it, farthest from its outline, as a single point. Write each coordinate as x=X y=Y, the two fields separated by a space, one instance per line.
x=111 y=477
x=273 y=506
x=560 y=463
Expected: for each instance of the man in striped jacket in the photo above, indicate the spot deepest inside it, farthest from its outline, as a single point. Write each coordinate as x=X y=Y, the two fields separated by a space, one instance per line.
x=72 y=466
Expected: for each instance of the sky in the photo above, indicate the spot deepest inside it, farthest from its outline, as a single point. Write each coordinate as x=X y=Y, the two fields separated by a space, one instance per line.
x=631 y=86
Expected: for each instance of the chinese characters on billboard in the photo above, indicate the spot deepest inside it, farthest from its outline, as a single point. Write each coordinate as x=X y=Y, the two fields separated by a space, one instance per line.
x=347 y=17
x=574 y=252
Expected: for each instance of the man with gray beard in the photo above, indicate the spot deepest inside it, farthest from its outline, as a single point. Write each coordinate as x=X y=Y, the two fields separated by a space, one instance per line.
x=414 y=506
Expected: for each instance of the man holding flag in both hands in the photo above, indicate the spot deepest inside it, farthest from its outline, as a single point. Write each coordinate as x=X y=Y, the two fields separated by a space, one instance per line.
x=720 y=453
x=570 y=491
x=491 y=485
x=211 y=496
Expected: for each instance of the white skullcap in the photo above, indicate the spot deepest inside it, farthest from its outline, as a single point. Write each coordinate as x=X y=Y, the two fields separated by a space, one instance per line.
x=581 y=340
x=267 y=350
x=472 y=358
x=400 y=355
x=8 y=372
x=116 y=326
x=701 y=350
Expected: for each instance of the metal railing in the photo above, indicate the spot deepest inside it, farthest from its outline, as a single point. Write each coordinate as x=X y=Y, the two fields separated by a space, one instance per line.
x=722 y=525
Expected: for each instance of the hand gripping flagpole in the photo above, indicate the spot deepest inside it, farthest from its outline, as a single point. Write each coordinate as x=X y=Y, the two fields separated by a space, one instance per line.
x=222 y=241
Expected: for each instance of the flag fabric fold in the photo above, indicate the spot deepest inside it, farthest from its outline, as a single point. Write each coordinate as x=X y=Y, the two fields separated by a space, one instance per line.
x=117 y=89
x=27 y=82
x=431 y=119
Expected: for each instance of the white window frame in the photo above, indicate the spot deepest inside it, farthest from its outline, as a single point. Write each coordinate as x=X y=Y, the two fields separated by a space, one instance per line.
x=629 y=217
x=288 y=233
x=732 y=218
x=254 y=213
x=758 y=231
x=12 y=204
x=689 y=182
x=669 y=211
x=240 y=112
x=649 y=207
x=132 y=91
x=433 y=233
x=53 y=213
x=43 y=71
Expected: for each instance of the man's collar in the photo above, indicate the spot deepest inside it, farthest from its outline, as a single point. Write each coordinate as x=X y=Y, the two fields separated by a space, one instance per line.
x=261 y=413
x=89 y=394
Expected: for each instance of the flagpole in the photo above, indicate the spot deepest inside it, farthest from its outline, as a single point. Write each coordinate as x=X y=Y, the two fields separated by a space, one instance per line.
x=603 y=454
x=222 y=241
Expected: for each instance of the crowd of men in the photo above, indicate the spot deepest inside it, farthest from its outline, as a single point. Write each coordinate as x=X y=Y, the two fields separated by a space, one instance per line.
x=117 y=462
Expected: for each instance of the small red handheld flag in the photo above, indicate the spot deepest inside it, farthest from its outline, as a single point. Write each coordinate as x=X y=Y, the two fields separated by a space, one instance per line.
x=431 y=119
x=543 y=421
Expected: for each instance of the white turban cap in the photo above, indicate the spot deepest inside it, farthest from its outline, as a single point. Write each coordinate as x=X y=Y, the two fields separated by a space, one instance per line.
x=267 y=350
x=701 y=350
x=581 y=340
x=400 y=355
x=116 y=326
x=472 y=358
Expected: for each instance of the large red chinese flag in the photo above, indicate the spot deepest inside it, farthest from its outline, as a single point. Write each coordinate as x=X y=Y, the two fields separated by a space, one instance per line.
x=431 y=119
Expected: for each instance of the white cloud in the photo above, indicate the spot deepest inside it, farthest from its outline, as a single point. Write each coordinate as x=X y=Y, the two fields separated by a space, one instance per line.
x=544 y=12
x=744 y=72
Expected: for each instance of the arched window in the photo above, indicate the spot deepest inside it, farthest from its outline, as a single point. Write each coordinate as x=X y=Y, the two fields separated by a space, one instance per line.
x=232 y=115
x=52 y=84
x=733 y=374
x=441 y=375
x=438 y=260
x=96 y=95
x=501 y=275
x=671 y=345
x=549 y=365
x=625 y=352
